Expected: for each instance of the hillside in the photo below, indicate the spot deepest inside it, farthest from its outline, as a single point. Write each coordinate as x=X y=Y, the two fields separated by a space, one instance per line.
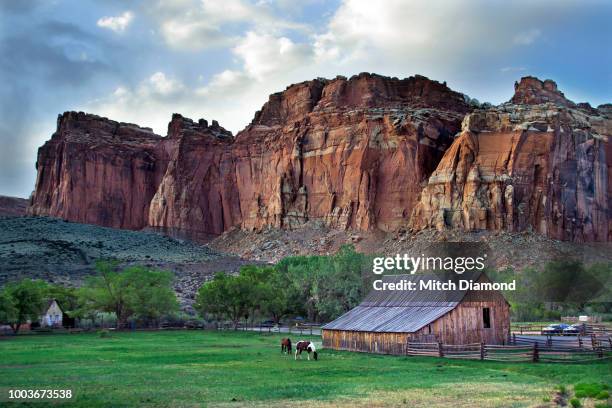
x=65 y=252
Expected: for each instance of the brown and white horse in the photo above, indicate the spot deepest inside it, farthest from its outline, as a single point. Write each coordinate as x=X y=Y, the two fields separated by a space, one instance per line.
x=286 y=346
x=307 y=346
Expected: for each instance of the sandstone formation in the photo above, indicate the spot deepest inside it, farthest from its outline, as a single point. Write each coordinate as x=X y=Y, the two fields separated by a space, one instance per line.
x=13 y=206
x=350 y=153
x=365 y=153
x=98 y=171
x=539 y=162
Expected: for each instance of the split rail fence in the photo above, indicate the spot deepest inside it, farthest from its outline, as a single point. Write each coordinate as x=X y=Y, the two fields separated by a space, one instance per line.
x=522 y=349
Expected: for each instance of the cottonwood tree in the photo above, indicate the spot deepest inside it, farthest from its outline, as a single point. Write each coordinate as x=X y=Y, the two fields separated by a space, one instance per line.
x=226 y=296
x=134 y=292
x=23 y=301
x=8 y=310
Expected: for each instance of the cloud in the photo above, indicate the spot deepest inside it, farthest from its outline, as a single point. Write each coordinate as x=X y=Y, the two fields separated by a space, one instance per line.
x=192 y=25
x=264 y=54
x=117 y=24
x=162 y=85
x=527 y=37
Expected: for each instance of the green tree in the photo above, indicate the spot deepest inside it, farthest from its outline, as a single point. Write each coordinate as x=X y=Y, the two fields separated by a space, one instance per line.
x=8 y=309
x=28 y=299
x=67 y=297
x=226 y=296
x=134 y=292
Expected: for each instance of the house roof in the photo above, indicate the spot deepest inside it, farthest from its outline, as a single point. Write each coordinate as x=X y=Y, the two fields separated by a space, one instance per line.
x=50 y=303
x=403 y=311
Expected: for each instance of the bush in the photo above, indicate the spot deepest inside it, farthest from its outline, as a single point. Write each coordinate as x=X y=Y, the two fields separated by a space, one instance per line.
x=588 y=390
x=562 y=389
x=603 y=405
x=104 y=333
x=575 y=402
x=603 y=395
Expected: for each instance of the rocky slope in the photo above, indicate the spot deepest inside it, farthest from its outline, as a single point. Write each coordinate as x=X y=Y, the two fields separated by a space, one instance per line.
x=13 y=206
x=539 y=162
x=65 y=253
x=348 y=154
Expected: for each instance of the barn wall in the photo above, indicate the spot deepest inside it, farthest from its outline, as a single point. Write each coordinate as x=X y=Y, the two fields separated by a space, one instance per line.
x=369 y=342
x=464 y=324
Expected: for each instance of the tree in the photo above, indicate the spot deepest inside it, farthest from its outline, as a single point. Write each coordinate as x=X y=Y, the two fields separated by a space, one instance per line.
x=134 y=292
x=28 y=300
x=226 y=295
x=67 y=297
x=8 y=309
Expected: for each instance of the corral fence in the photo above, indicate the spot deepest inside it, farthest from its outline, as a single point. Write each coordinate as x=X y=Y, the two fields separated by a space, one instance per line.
x=301 y=329
x=521 y=349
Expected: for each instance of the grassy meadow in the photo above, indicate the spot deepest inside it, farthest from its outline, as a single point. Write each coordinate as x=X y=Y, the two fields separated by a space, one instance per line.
x=204 y=368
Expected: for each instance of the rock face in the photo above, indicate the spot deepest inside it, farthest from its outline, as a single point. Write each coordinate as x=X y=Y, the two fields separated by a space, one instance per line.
x=13 y=206
x=98 y=171
x=365 y=153
x=348 y=152
x=539 y=162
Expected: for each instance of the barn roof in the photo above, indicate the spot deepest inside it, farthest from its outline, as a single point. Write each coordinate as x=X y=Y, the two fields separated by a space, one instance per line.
x=403 y=311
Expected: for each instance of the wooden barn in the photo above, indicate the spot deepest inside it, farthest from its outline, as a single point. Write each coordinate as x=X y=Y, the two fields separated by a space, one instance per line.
x=388 y=319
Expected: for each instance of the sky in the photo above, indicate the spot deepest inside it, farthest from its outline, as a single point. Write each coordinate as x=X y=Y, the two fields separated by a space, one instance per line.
x=140 y=61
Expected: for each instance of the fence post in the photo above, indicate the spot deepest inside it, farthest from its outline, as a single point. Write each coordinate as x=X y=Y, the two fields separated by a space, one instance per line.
x=440 y=349
x=536 y=353
x=593 y=340
x=579 y=341
x=514 y=338
x=600 y=352
x=482 y=350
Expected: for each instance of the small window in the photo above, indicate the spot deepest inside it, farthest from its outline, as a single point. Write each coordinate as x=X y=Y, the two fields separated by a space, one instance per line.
x=486 y=317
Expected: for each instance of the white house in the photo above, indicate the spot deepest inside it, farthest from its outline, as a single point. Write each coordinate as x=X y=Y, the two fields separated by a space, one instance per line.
x=52 y=316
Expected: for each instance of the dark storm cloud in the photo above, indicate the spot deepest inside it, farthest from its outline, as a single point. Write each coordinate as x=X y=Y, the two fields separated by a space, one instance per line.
x=36 y=58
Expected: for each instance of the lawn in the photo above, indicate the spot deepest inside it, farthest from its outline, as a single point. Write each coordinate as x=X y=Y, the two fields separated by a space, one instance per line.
x=204 y=368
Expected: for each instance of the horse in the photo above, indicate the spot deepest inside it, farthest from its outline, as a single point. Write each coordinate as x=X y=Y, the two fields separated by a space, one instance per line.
x=307 y=346
x=286 y=345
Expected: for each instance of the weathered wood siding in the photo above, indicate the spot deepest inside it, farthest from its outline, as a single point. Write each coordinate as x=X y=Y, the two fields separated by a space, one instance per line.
x=369 y=342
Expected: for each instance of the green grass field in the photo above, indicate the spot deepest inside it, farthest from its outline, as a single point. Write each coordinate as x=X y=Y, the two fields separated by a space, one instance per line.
x=203 y=368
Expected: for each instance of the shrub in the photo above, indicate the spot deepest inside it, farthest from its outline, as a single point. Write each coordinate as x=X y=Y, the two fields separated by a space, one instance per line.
x=575 y=402
x=104 y=333
x=562 y=389
x=588 y=390
x=603 y=405
x=603 y=395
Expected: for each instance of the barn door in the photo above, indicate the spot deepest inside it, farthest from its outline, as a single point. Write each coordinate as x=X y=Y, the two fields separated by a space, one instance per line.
x=488 y=331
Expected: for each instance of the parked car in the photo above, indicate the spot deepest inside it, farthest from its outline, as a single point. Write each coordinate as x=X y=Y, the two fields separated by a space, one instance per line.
x=575 y=329
x=554 y=329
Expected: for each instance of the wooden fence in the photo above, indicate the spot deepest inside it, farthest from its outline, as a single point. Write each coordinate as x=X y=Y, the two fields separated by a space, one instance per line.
x=520 y=350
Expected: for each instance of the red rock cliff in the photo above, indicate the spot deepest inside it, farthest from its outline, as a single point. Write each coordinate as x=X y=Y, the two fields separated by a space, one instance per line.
x=354 y=153
x=97 y=171
x=539 y=162
x=350 y=153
